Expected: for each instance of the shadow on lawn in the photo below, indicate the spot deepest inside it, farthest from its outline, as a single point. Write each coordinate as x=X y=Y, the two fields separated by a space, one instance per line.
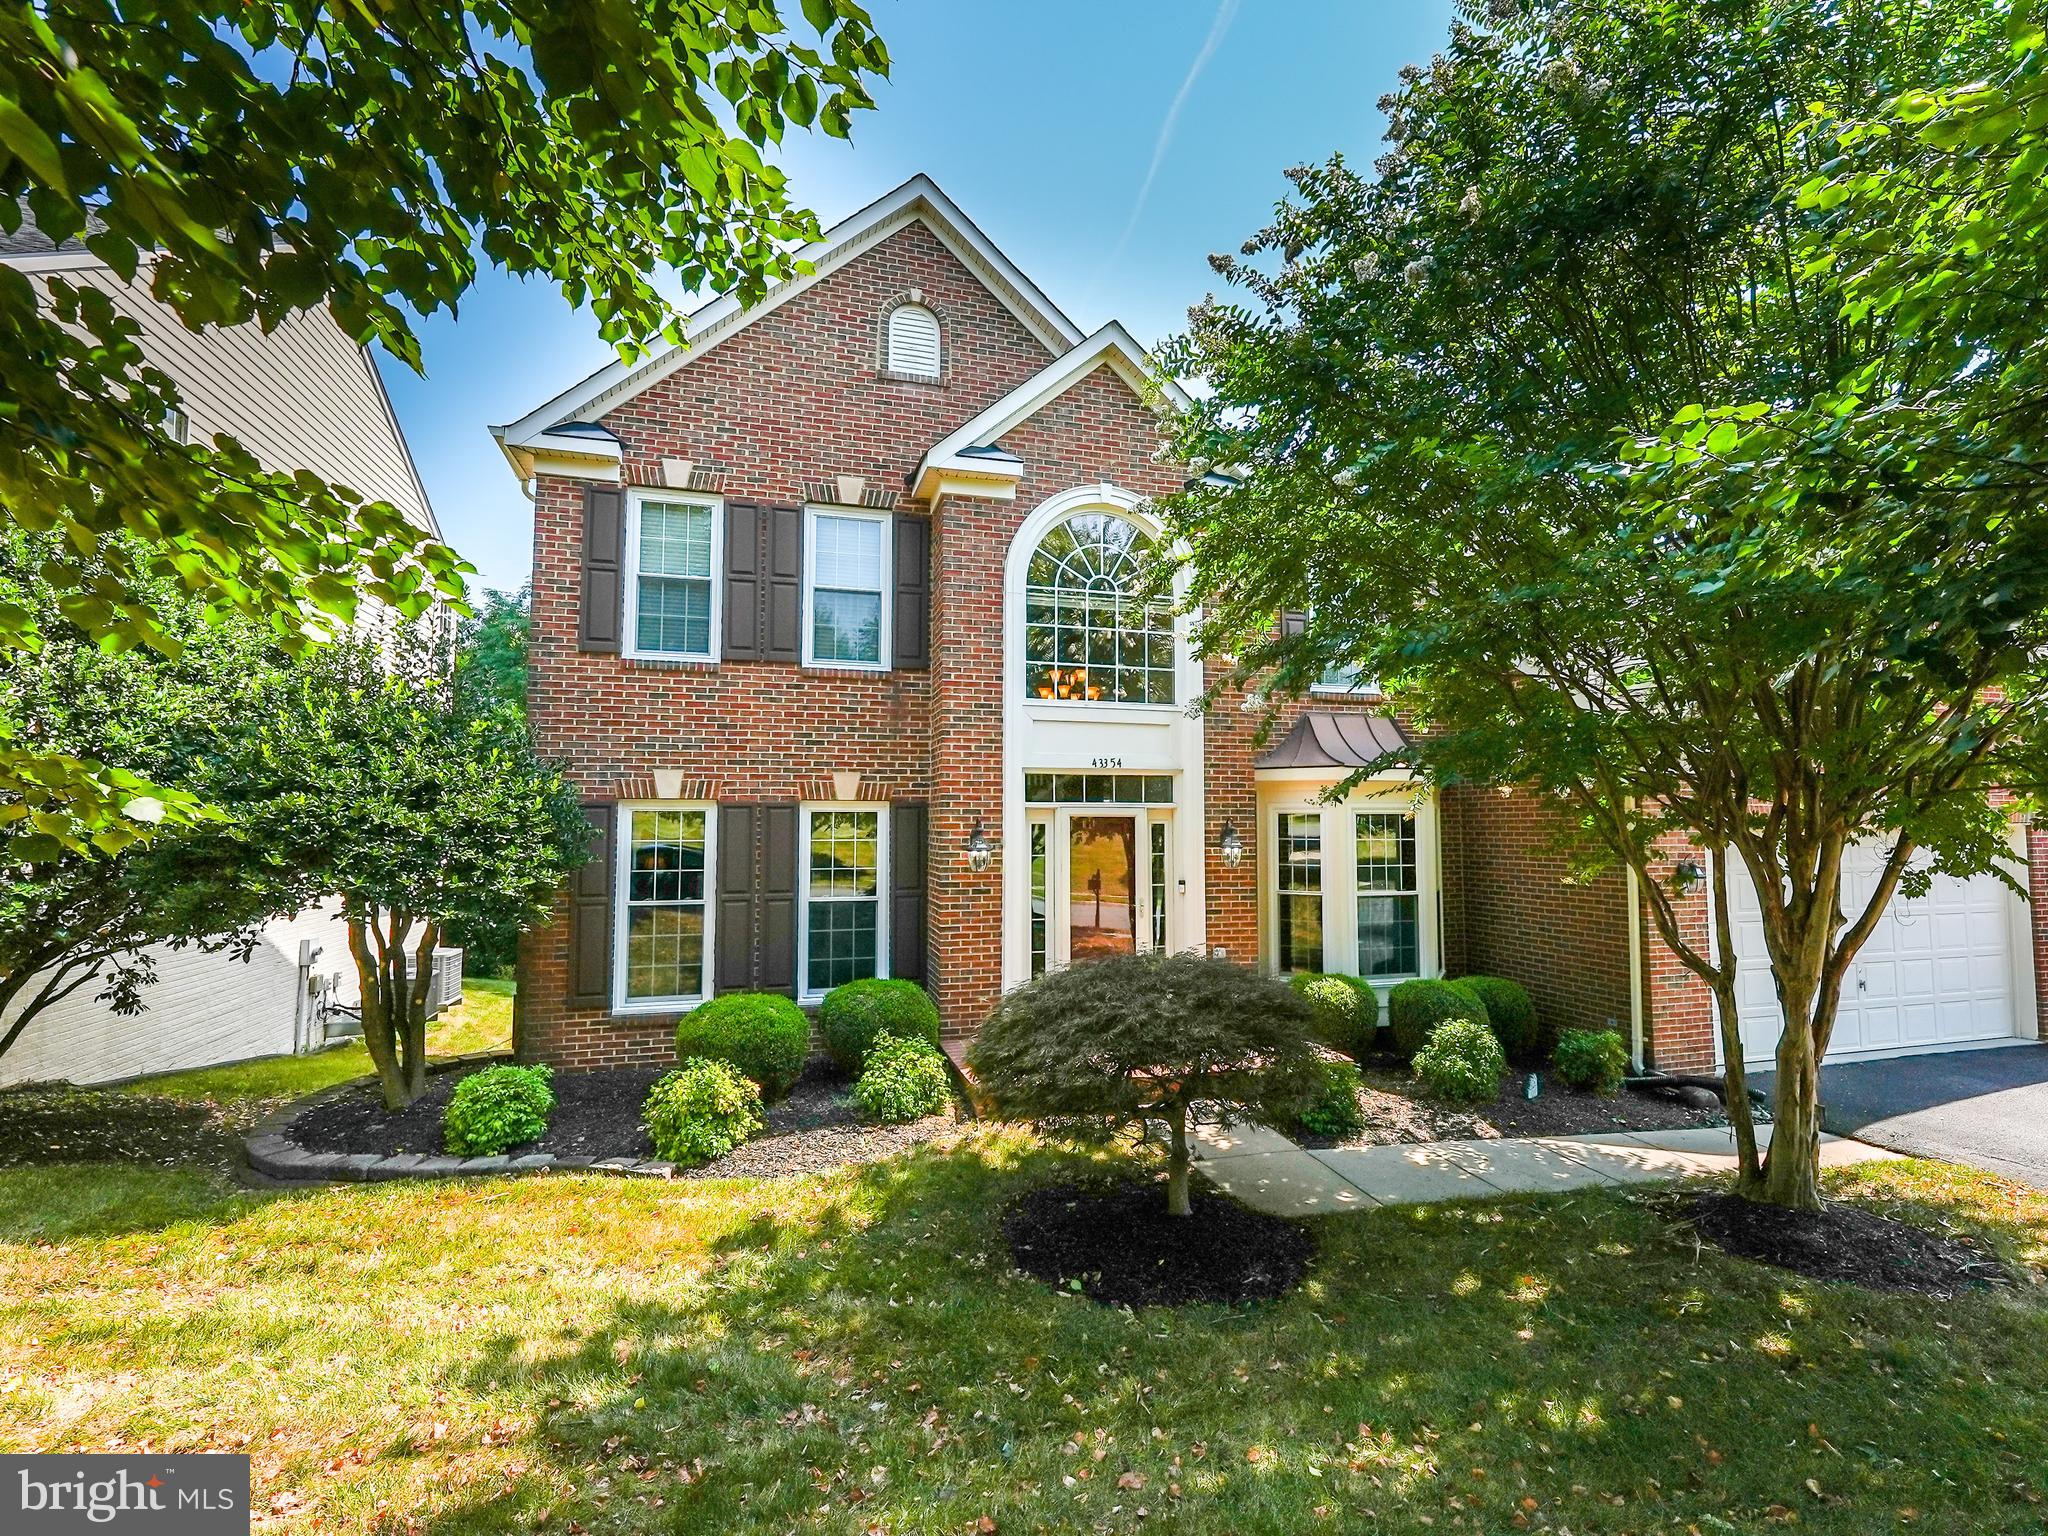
x=861 y=1355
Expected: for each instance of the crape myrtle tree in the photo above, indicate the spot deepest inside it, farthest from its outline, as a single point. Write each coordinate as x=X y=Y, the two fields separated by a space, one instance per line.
x=257 y=158
x=83 y=916
x=377 y=776
x=1106 y=1046
x=1662 y=423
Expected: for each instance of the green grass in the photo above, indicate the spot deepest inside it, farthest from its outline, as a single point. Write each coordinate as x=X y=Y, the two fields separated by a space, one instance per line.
x=482 y=1021
x=854 y=1353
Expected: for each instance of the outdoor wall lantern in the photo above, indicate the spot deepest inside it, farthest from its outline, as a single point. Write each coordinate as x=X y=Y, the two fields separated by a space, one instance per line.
x=1686 y=874
x=1231 y=846
x=981 y=848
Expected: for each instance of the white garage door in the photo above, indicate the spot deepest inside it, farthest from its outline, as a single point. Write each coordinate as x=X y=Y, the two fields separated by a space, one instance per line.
x=1938 y=970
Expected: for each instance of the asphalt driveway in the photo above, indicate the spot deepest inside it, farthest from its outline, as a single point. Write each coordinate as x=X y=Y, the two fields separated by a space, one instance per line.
x=1987 y=1108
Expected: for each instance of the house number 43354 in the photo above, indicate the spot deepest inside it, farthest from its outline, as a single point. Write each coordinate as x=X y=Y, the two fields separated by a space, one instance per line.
x=1105 y=762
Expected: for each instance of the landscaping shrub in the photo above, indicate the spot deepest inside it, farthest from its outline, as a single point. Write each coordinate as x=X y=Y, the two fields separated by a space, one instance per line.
x=904 y=1080
x=1595 y=1060
x=1511 y=1013
x=1461 y=1062
x=764 y=1034
x=856 y=1014
x=1416 y=1008
x=1337 y=1014
x=1335 y=1111
x=700 y=1111
x=496 y=1109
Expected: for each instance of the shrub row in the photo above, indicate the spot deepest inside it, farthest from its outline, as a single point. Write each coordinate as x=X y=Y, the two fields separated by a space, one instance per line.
x=1416 y=1008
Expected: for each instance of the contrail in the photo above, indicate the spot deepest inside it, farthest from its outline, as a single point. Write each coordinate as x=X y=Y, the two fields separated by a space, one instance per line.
x=1225 y=13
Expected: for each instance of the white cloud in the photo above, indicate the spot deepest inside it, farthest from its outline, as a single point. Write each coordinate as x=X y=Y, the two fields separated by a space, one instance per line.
x=1226 y=12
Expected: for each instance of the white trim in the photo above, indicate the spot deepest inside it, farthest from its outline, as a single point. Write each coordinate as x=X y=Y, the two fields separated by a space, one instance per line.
x=1159 y=739
x=629 y=641
x=917 y=200
x=1378 y=796
x=883 y=814
x=885 y=640
x=1110 y=347
x=622 y=864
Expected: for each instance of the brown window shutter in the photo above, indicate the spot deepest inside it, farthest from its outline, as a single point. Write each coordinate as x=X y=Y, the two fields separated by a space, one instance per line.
x=590 y=916
x=907 y=861
x=913 y=615
x=742 y=581
x=782 y=635
x=602 y=616
x=734 y=967
x=1292 y=624
x=775 y=912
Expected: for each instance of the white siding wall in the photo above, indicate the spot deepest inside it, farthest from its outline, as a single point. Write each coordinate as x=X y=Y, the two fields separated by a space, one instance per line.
x=202 y=1010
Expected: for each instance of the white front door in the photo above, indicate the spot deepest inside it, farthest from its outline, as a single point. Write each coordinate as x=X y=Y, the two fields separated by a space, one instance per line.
x=1939 y=969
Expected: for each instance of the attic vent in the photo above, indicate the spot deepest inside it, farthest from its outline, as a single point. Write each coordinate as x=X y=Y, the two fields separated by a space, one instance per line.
x=914 y=341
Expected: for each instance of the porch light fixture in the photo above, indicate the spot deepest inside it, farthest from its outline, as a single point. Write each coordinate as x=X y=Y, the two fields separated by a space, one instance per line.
x=1686 y=874
x=980 y=848
x=1230 y=845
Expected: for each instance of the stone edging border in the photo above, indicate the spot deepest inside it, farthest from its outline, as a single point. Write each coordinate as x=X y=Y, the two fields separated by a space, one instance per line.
x=272 y=1151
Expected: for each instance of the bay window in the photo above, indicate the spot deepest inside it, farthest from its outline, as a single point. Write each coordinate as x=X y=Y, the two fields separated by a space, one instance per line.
x=1389 y=896
x=1299 y=873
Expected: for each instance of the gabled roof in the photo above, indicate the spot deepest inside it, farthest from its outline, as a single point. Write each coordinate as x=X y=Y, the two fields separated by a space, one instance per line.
x=969 y=457
x=1324 y=738
x=918 y=200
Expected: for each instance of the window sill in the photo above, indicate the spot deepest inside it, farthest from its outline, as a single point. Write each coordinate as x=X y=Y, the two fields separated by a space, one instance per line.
x=847 y=668
x=658 y=663
x=1091 y=710
x=929 y=380
x=647 y=1010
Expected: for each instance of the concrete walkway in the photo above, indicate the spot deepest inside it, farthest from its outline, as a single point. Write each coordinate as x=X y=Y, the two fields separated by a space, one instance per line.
x=1270 y=1173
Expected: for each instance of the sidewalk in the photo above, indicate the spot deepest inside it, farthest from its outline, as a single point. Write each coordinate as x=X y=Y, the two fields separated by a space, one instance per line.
x=1270 y=1173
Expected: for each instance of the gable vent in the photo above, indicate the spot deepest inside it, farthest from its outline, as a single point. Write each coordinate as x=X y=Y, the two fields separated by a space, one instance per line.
x=914 y=341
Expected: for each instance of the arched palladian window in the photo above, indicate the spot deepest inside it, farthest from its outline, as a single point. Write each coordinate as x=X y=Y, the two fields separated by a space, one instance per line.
x=1087 y=633
x=914 y=341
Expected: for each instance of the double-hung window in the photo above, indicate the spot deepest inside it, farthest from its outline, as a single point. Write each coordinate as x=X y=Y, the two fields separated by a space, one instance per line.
x=1389 y=896
x=844 y=931
x=847 y=565
x=666 y=854
x=1298 y=874
x=673 y=547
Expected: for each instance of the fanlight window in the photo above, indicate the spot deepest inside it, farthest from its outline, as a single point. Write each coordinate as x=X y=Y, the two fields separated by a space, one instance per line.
x=1087 y=633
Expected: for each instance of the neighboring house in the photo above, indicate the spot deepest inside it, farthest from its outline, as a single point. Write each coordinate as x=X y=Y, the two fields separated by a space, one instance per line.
x=303 y=396
x=833 y=623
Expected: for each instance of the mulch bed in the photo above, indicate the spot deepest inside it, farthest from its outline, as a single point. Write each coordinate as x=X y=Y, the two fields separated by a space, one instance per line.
x=85 y=1125
x=597 y=1114
x=1848 y=1243
x=1115 y=1240
x=1396 y=1109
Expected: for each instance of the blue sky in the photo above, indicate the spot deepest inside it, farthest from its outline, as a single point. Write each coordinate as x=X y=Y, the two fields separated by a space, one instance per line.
x=1049 y=124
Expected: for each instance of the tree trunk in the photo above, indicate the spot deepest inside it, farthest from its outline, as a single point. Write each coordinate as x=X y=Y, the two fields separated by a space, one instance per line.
x=416 y=1010
x=1177 y=1160
x=1791 y=1172
x=1735 y=1077
x=379 y=954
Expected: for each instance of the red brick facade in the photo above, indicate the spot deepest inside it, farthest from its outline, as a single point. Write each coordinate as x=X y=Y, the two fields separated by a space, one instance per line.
x=799 y=396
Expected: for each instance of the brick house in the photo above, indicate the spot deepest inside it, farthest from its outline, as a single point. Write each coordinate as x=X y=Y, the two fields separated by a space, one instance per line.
x=831 y=622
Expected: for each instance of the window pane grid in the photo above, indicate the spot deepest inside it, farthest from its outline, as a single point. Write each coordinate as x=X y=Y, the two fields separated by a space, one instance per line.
x=1159 y=885
x=1389 y=899
x=665 y=904
x=842 y=943
x=1087 y=633
x=1298 y=872
x=674 y=615
x=1098 y=788
x=845 y=849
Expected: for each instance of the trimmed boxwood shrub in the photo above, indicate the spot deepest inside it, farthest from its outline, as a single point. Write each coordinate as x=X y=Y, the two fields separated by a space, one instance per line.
x=1595 y=1060
x=1462 y=1061
x=1335 y=1111
x=1337 y=1010
x=856 y=1014
x=700 y=1111
x=764 y=1034
x=496 y=1109
x=1511 y=1013
x=1415 y=1008
x=903 y=1080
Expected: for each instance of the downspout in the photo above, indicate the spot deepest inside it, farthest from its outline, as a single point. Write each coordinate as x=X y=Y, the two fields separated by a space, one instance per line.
x=1638 y=983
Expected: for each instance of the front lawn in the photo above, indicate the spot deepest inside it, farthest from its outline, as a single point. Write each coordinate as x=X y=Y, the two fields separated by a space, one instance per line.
x=854 y=1353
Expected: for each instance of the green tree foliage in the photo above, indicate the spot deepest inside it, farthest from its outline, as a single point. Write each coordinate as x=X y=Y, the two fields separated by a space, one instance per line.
x=1100 y=1048
x=81 y=914
x=491 y=646
x=370 y=774
x=1662 y=426
x=254 y=160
